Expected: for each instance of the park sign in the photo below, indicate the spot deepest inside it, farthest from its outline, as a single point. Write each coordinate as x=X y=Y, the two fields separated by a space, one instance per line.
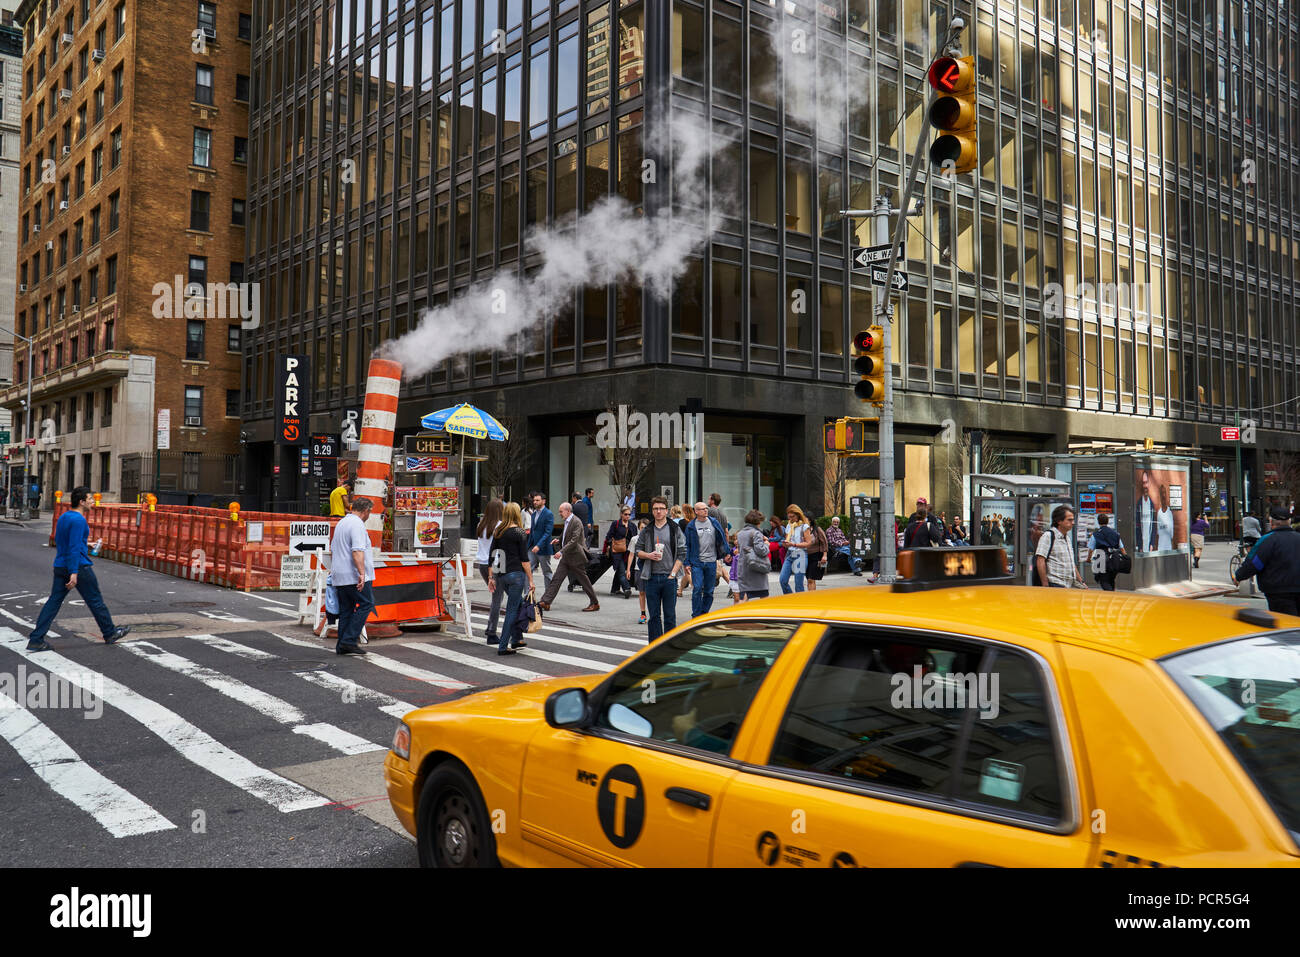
x=292 y=402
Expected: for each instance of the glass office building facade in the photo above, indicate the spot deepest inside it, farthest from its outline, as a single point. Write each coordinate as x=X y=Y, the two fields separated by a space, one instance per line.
x=1122 y=264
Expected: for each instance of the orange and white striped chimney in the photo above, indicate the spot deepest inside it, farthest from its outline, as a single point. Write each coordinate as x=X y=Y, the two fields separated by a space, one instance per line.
x=375 y=456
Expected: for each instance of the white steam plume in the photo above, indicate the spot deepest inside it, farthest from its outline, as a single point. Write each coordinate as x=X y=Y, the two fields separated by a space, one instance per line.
x=612 y=242
x=609 y=243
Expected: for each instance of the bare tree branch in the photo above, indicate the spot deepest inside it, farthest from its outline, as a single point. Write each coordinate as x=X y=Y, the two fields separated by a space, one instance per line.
x=509 y=459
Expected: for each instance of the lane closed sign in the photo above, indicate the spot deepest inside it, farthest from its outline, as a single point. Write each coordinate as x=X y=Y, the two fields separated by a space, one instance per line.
x=308 y=537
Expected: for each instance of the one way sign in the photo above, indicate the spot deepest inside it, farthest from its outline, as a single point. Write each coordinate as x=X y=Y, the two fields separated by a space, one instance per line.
x=308 y=536
x=879 y=274
x=864 y=256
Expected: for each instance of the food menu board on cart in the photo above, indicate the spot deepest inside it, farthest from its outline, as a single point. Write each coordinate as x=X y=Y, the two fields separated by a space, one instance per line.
x=442 y=498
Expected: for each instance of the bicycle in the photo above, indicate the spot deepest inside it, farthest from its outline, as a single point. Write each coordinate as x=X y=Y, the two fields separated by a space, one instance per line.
x=1235 y=561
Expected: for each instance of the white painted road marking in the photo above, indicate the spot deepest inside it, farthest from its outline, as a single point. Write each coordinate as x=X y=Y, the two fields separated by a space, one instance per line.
x=496 y=667
x=260 y=701
x=393 y=665
x=29 y=625
x=119 y=811
x=194 y=744
x=322 y=679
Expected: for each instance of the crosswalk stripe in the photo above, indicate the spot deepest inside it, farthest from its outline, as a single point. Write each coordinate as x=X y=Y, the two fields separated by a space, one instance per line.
x=323 y=679
x=260 y=701
x=121 y=813
x=486 y=664
x=623 y=639
x=586 y=664
x=618 y=653
x=338 y=739
x=393 y=665
x=194 y=744
x=26 y=624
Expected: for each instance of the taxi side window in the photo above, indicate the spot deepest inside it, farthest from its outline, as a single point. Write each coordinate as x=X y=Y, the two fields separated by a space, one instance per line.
x=1010 y=761
x=695 y=688
x=910 y=713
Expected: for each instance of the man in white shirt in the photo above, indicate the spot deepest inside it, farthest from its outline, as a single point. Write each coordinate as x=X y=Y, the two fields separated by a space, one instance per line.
x=1054 y=556
x=352 y=569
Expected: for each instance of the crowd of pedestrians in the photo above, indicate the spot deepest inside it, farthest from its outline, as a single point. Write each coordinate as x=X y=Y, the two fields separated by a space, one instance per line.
x=678 y=548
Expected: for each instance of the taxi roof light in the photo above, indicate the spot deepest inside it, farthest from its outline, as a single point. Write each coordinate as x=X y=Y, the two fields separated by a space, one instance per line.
x=921 y=569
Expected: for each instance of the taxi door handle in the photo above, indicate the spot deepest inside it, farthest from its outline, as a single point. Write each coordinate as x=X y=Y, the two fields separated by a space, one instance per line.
x=689 y=798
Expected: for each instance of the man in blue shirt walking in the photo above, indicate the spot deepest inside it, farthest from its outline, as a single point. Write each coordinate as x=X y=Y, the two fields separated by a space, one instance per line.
x=72 y=570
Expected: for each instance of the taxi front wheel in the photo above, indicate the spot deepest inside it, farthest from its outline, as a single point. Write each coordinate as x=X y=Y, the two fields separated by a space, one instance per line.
x=452 y=826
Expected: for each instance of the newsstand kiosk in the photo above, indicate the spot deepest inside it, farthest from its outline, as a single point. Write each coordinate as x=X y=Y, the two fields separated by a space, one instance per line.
x=1013 y=511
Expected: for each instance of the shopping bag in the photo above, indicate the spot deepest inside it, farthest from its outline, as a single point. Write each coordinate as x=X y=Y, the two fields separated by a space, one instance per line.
x=530 y=614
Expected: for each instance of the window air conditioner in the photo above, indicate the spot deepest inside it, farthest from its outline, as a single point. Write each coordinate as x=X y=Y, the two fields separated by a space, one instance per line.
x=36 y=228
x=65 y=94
x=209 y=32
x=193 y=420
x=49 y=244
x=63 y=204
x=97 y=55
x=67 y=151
x=76 y=308
x=66 y=38
x=22 y=287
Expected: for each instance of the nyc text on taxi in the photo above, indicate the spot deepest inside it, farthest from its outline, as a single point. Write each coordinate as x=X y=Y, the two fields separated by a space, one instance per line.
x=964 y=725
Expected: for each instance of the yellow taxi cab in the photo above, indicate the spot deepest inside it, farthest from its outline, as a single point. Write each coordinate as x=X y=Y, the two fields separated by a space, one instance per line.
x=940 y=722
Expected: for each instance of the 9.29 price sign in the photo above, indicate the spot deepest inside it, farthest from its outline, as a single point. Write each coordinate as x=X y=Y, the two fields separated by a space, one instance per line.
x=324 y=449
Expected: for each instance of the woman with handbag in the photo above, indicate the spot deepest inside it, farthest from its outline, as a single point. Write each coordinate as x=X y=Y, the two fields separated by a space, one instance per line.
x=487 y=529
x=797 y=542
x=818 y=550
x=510 y=552
x=617 y=542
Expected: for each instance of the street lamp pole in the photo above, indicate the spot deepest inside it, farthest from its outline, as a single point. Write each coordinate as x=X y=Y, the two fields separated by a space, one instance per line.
x=27 y=432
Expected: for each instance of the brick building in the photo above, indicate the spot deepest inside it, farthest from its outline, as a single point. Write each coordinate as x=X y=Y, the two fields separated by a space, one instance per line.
x=11 y=96
x=131 y=242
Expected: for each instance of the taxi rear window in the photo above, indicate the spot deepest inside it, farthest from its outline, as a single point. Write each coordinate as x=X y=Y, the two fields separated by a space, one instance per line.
x=1249 y=691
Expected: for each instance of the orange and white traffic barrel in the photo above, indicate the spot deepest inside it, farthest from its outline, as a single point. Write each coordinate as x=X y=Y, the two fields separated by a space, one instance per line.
x=375 y=456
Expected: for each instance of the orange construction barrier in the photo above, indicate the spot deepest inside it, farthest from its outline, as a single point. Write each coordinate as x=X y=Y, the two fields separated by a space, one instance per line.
x=201 y=544
x=408 y=589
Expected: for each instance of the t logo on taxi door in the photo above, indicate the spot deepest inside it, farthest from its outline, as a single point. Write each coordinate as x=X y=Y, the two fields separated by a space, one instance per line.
x=620 y=805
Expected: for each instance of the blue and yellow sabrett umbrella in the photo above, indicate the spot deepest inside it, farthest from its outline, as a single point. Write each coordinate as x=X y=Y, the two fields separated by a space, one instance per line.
x=466 y=420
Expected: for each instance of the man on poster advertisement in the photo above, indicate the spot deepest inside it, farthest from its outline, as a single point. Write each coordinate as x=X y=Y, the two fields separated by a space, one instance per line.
x=1160 y=520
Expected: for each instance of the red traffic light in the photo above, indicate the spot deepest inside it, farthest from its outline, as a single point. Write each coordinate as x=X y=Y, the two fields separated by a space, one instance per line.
x=864 y=340
x=951 y=74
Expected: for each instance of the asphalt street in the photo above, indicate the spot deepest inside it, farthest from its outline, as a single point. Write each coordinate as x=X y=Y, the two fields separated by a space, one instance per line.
x=226 y=734
x=223 y=733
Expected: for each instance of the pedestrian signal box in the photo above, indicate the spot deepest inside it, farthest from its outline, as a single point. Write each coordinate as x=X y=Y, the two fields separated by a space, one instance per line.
x=844 y=436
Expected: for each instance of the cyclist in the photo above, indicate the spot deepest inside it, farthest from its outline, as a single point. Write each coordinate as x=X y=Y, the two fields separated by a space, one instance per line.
x=1277 y=562
x=1250 y=533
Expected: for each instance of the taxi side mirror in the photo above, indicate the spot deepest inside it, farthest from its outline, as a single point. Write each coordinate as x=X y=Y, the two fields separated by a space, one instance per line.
x=567 y=708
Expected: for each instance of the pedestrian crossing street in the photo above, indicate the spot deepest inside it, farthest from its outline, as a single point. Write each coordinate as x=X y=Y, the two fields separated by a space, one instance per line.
x=193 y=720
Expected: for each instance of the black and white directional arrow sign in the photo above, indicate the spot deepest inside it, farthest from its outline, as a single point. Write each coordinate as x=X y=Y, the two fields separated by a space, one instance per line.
x=865 y=256
x=880 y=273
x=308 y=536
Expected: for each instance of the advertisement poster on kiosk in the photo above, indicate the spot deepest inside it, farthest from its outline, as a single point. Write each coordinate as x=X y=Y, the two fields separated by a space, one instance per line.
x=1160 y=518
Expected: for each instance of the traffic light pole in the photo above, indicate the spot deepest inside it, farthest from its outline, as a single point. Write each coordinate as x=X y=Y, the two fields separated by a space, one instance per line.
x=880 y=296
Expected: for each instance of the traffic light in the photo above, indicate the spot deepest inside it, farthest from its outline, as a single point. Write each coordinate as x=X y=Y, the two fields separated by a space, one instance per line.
x=956 y=149
x=870 y=364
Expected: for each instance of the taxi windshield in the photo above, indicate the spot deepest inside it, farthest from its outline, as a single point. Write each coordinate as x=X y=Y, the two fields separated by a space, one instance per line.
x=1249 y=691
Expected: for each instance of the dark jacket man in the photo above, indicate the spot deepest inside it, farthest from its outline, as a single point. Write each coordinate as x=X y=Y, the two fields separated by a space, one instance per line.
x=1276 y=562
x=541 y=532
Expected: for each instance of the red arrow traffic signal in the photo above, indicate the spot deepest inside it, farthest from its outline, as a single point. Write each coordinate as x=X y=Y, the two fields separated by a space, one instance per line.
x=945 y=74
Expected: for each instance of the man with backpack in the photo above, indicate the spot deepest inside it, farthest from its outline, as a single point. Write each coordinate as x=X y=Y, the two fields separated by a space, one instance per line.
x=1107 y=541
x=1054 y=564
x=706 y=545
x=661 y=546
x=924 y=530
